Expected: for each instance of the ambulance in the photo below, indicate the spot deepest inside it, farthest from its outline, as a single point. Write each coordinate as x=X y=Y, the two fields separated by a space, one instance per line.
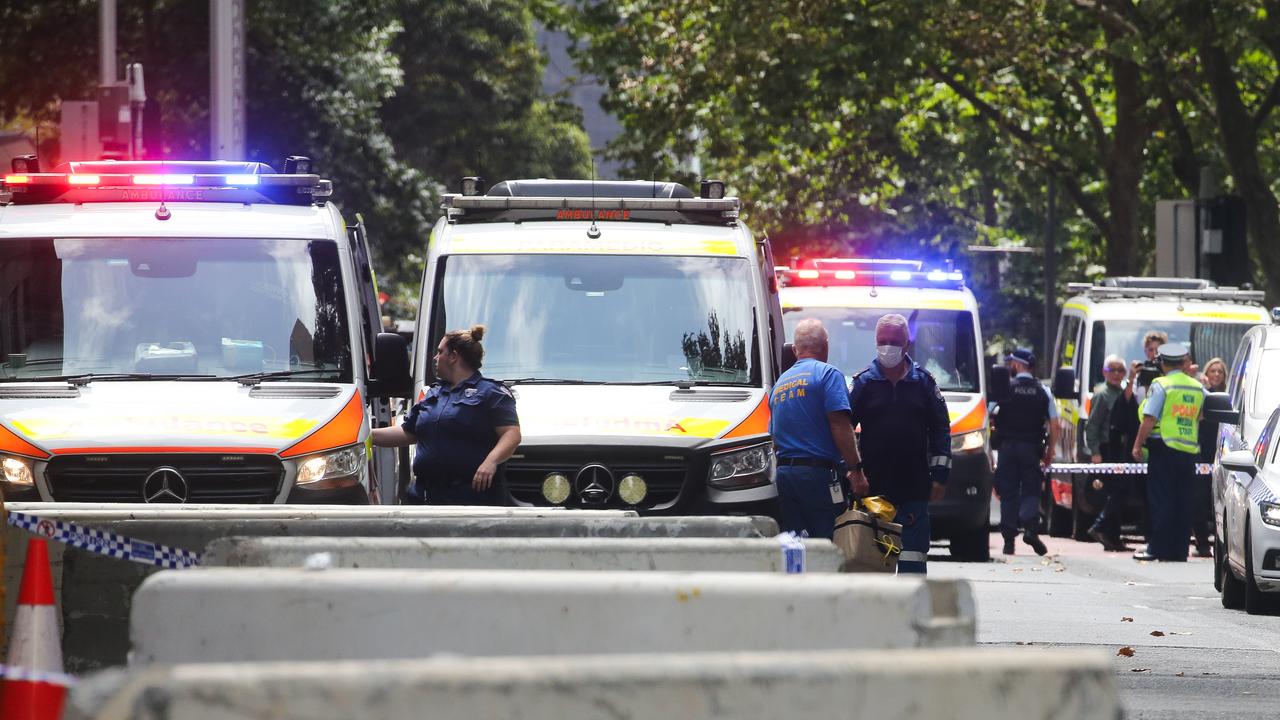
x=189 y=332
x=638 y=327
x=1111 y=318
x=849 y=295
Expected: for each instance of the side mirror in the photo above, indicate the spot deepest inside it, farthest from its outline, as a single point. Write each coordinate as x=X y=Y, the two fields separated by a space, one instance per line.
x=998 y=384
x=1217 y=408
x=390 y=375
x=1064 y=383
x=788 y=356
x=1240 y=461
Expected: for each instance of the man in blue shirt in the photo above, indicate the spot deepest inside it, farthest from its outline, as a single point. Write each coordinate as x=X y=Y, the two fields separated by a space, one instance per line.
x=813 y=438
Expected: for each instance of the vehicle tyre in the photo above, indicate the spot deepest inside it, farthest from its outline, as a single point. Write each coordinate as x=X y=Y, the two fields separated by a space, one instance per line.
x=1218 y=563
x=1232 y=587
x=1255 y=601
x=972 y=545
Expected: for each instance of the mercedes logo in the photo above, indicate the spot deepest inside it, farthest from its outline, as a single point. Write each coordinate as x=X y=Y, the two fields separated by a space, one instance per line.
x=594 y=484
x=165 y=485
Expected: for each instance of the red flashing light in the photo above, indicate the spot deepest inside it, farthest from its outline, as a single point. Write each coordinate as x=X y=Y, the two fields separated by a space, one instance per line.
x=17 y=179
x=808 y=274
x=83 y=180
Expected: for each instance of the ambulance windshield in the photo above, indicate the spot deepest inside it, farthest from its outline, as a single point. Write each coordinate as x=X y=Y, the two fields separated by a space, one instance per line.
x=1205 y=340
x=166 y=307
x=942 y=341
x=605 y=318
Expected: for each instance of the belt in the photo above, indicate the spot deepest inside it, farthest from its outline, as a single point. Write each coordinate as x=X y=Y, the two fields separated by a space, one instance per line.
x=809 y=462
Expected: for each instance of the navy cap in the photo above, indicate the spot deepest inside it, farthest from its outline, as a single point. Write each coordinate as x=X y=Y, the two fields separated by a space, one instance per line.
x=1022 y=355
x=1172 y=352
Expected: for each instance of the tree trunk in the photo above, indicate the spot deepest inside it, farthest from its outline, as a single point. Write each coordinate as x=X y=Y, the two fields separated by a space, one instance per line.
x=1122 y=162
x=1240 y=146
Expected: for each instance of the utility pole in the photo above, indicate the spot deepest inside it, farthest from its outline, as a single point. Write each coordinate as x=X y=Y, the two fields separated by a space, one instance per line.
x=1050 y=280
x=226 y=80
x=106 y=42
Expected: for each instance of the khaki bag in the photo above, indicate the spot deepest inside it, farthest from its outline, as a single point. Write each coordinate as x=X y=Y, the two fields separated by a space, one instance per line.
x=869 y=542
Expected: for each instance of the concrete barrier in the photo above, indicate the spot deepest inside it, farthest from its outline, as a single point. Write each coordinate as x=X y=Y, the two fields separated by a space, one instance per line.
x=94 y=592
x=959 y=684
x=726 y=555
x=252 y=614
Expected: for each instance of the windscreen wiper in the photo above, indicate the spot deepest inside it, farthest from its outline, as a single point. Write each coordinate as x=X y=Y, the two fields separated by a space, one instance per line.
x=249 y=379
x=548 y=381
x=82 y=379
x=682 y=384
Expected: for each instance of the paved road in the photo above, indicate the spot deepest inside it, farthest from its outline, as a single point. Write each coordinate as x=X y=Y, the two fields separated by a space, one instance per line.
x=1208 y=663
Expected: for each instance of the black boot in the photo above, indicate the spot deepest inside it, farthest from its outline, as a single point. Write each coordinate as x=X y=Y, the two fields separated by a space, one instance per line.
x=1008 y=546
x=1035 y=542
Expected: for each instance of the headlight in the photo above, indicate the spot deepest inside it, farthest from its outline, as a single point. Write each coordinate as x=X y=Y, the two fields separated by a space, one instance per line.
x=739 y=469
x=17 y=470
x=335 y=469
x=1270 y=512
x=968 y=442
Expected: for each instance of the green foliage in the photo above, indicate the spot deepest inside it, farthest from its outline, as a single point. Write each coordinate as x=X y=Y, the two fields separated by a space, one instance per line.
x=393 y=99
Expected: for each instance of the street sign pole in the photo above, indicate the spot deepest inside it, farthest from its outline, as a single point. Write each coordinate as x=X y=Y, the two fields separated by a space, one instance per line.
x=226 y=80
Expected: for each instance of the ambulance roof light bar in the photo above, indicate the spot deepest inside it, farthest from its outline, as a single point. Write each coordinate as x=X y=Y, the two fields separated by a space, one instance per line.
x=1156 y=291
x=464 y=208
x=196 y=181
x=811 y=277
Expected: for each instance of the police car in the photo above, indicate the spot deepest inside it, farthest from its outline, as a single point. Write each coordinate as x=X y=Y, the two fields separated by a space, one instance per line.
x=1246 y=491
x=1113 y=317
x=638 y=327
x=197 y=332
x=849 y=295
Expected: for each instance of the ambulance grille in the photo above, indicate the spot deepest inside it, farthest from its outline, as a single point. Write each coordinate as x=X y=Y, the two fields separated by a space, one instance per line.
x=210 y=478
x=665 y=479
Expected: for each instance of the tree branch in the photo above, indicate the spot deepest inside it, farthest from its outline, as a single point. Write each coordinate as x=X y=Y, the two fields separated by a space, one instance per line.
x=1267 y=104
x=1064 y=175
x=1100 y=139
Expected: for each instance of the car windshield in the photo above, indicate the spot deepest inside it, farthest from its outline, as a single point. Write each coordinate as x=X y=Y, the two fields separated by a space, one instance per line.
x=942 y=341
x=605 y=318
x=1205 y=340
x=166 y=306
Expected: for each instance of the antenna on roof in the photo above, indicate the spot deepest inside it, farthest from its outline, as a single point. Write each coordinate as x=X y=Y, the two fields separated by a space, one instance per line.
x=593 y=232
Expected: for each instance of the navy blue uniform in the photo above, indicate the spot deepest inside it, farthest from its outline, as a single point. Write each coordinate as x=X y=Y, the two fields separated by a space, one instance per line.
x=906 y=447
x=1020 y=425
x=455 y=431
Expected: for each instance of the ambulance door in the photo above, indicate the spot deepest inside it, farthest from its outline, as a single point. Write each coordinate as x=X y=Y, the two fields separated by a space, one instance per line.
x=1068 y=352
x=382 y=467
x=774 y=335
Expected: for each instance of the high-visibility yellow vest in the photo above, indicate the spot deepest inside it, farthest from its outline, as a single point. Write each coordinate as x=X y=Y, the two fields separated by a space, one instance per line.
x=1179 y=421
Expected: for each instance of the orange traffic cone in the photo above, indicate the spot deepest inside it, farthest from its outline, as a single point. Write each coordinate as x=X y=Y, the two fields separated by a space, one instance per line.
x=34 y=651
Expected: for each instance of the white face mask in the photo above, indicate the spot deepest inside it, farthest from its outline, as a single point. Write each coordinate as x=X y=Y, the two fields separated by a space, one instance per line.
x=889 y=355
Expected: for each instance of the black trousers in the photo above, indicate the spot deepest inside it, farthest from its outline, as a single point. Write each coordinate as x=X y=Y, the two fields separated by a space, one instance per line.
x=1170 y=474
x=1116 y=489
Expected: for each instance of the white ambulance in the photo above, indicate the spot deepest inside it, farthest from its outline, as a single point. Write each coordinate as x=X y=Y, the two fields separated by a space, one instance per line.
x=196 y=332
x=849 y=295
x=1112 y=318
x=638 y=327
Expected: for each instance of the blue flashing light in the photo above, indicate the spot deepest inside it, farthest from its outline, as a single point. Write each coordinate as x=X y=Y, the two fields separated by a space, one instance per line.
x=936 y=276
x=900 y=276
x=242 y=179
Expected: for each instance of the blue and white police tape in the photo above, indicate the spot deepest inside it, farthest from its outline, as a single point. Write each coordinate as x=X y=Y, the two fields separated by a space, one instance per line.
x=106 y=543
x=1113 y=468
x=793 y=557
x=21 y=674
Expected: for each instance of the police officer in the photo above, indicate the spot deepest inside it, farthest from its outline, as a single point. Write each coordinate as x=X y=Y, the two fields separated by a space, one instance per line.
x=1020 y=423
x=1108 y=437
x=465 y=427
x=906 y=437
x=1170 y=433
x=813 y=437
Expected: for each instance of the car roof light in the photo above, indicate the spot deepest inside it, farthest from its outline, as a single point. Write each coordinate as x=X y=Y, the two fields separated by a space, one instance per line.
x=83 y=180
x=242 y=179
x=900 y=276
x=845 y=275
x=808 y=274
x=936 y=276
x=17 y=179
x=164 y=179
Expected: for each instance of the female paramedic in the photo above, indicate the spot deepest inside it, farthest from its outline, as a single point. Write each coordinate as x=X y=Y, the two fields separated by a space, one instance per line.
x=465 y=428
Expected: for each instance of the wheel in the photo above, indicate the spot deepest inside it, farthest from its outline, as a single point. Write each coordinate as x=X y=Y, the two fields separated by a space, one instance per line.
x=1255 y=601
x=1232 y=587
x=972 y=546
x=1218 y=567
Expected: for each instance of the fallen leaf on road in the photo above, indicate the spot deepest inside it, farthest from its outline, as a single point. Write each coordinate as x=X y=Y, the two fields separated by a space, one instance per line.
x=1126 y=651
x=1139 y=669
x=1035 y=569
x=1156 y=633
x=1126 y=619
x=1017 y=569
x=1181 y=674
x=1175 y=632
x=1210 y=673
x=1060 y=569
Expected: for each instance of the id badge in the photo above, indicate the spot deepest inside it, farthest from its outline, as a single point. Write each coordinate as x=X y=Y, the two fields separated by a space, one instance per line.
x=837 y=492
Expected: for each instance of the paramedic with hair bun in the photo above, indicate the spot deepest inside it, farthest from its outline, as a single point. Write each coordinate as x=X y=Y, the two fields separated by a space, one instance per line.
x=465 y=429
